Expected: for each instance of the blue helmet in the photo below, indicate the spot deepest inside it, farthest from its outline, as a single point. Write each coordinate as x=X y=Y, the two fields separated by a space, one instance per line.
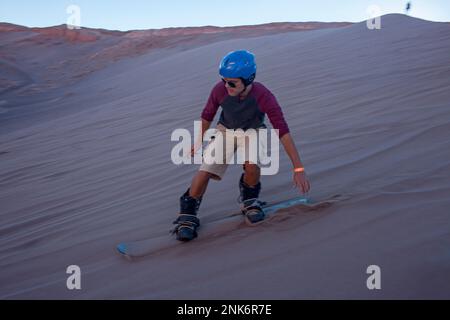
x=239 y=64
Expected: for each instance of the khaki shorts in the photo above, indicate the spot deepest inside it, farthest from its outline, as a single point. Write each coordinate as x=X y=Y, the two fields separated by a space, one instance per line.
x=231 y=143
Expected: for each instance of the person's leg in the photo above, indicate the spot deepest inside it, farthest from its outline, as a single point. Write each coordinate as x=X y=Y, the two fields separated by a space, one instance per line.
x=252 y=173
x=250 y=186
x=199 y=184
x=210 y=169
x=187 y=221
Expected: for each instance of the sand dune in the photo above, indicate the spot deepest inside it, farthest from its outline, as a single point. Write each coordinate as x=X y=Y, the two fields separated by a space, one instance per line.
x=90 y=49
x=85 y=164
x=43 y=64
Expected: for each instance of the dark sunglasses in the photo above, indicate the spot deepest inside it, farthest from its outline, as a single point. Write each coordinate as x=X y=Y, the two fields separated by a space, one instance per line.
x=230 y=83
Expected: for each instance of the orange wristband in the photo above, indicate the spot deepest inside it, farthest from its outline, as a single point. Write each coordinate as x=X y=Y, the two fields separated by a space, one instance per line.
x=299 y=169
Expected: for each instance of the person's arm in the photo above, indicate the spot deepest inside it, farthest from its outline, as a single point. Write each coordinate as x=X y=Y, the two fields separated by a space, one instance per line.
x=299 y=175
x=273 y=110
x=291 y=150
x=208 y=114
x=198 y=142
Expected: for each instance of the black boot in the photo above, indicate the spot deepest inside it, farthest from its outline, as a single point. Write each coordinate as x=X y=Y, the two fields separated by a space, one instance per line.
x=187 y=222
x=251 y=206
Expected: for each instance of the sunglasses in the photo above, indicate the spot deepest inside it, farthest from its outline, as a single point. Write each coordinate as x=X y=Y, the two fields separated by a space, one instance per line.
x=230 y=83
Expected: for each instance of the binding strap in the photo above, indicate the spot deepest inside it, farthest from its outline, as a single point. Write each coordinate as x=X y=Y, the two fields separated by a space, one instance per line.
x=186 y=221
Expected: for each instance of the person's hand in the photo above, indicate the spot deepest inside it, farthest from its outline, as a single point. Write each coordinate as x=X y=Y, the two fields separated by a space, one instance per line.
x=194 y=149
x=301 y=182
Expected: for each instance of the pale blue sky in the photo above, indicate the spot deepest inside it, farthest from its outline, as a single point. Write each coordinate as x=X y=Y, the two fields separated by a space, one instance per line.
x=150 y=14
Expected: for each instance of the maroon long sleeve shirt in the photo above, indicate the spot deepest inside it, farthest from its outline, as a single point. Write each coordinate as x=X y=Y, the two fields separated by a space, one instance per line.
x=248 y=113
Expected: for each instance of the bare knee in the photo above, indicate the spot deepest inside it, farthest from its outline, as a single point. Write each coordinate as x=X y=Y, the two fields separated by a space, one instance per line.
x=251 y=168
x=204 y=175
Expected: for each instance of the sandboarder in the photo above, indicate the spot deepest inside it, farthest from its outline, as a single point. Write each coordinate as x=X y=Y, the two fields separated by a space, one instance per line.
x=408 y=7
x=244 y=105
